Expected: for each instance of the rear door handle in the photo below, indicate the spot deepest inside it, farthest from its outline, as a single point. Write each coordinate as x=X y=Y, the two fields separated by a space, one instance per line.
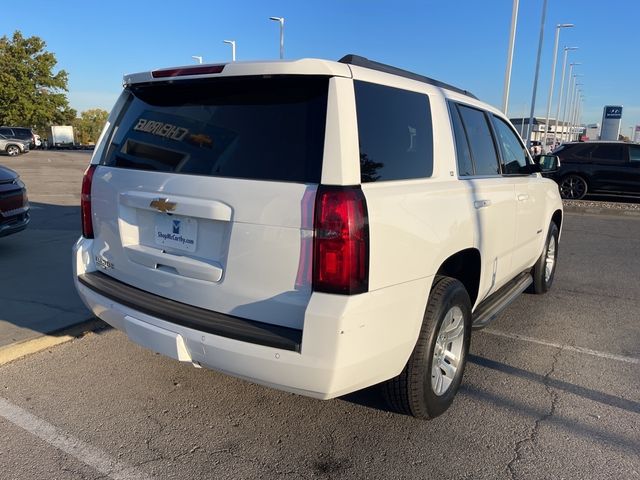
x=481 y=203
x=523 y=196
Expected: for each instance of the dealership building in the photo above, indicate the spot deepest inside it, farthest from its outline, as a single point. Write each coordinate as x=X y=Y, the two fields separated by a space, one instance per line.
x=539 y=128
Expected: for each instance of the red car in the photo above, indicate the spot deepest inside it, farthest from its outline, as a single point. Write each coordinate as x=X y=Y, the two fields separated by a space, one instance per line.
x=14 y=204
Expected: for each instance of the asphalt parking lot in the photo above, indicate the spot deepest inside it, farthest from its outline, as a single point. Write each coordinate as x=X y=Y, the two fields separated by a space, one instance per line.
x=552 y=389
x=36 y=287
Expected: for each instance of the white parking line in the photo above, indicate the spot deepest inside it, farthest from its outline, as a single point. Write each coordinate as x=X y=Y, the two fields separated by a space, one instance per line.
x=74 y=447
x=571 y=348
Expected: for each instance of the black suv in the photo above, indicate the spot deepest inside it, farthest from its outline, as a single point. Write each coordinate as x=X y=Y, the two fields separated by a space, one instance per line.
x=597 y=167
x=20 y=133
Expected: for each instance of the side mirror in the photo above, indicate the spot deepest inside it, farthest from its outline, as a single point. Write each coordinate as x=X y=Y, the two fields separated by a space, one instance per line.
x=548 y=163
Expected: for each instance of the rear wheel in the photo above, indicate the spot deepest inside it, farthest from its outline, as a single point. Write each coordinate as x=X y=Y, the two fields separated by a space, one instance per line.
x=573 y=187
x=545 y=268
x=428 y=383
x=13 y=150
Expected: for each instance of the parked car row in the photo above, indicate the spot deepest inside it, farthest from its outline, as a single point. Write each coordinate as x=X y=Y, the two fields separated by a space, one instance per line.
x=22 y=133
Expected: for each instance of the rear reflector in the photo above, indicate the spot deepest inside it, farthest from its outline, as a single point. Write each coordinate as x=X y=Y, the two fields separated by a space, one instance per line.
x=341 y=241
x=182 y=71
x=85 y=202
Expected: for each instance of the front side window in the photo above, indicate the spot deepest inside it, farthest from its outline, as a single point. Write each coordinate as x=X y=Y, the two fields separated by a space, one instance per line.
x=514 y=155
x=634 y=153
x=394 y=133
x=483 y=150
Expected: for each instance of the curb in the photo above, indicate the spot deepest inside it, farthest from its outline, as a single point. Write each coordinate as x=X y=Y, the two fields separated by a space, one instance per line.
x=28 y=347
x=618 y=212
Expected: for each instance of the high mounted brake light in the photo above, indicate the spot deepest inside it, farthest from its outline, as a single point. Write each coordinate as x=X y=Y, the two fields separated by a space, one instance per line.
x=341 y=241
x=183 y=71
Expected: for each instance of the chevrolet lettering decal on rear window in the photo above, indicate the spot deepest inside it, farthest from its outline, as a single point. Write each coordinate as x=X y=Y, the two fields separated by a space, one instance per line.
x=161 y=129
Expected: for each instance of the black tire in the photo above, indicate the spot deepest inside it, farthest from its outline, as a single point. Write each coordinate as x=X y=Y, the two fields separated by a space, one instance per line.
x=412 y=392
x=541 y=280
x=573 y=187
x=12 y=150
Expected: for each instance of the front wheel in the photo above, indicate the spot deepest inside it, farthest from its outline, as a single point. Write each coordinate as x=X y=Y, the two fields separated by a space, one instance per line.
x=13 y=150
x=430 y=380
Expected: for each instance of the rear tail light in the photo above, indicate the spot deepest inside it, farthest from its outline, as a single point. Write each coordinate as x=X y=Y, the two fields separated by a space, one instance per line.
x=341 y=241
x=85 y=202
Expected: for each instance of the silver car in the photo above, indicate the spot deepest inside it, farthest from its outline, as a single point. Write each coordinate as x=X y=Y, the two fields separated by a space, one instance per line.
x=13 y=146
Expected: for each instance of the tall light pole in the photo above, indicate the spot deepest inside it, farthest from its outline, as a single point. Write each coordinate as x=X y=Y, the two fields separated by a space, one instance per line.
x=576 y=95
x=579 y=115
x=197 y=58
x=576 y=121
x=281 y=21
x=566 y=112
x=574 y=112
x=233 y=48
x=566 y=100
x=535 y=78
x=507 y=73
x=564 y=66
x=553 y=76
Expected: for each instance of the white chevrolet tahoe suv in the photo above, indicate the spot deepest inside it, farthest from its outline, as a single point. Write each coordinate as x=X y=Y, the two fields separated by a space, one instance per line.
x=310 y=225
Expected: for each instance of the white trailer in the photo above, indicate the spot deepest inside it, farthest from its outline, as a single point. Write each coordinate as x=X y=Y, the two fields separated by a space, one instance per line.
x=61 y=136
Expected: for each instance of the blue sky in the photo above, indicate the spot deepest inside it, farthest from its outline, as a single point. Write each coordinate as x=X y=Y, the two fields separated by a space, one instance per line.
x=463 y=42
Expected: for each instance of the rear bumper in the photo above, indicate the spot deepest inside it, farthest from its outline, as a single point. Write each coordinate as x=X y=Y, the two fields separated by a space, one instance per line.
x=348 y=342
x=193 y=317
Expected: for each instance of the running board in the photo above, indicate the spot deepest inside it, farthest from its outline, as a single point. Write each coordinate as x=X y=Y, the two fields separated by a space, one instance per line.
x=489 y=309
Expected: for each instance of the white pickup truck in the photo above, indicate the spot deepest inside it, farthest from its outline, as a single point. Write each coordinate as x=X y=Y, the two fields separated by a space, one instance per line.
x=313 y=226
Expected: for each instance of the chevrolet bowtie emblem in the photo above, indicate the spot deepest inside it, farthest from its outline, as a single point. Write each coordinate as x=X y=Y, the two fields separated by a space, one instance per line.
x=163 y=205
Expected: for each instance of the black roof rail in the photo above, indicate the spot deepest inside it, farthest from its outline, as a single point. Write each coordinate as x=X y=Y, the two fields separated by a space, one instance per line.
x=381 y=67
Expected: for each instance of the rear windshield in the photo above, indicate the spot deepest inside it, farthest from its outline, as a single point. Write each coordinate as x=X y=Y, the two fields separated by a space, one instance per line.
x=261 y=128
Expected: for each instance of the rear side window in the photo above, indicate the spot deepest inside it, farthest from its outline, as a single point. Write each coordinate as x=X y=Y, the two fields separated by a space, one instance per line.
x=634 y=153
x=483 y=150
x=576 y=151
x=394 y=133
x=607 y=153
x=243 y=127
x=22 y=132
x=465 y=164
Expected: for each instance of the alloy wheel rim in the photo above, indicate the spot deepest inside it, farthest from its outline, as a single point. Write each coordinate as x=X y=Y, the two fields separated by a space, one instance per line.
x=13 y=151
x=550 y=259
x=447 y=351
x=573 y=187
